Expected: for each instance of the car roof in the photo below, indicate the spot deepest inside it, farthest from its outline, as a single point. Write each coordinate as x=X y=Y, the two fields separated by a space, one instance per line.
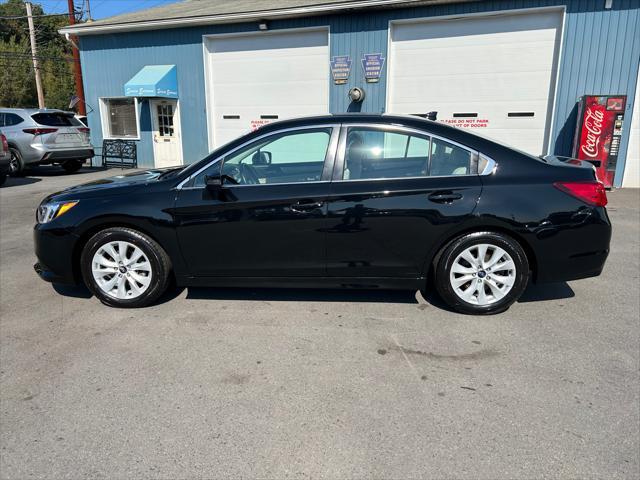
x=31 y=111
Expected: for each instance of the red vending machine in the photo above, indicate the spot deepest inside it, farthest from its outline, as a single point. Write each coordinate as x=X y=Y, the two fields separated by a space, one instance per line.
x=599 y=131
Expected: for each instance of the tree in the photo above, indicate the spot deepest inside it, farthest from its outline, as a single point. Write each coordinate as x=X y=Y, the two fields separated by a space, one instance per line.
x=17 y=87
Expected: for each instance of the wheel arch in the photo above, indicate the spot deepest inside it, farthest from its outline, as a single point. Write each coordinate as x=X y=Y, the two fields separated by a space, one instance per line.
x=434 y=255
x=90 y=231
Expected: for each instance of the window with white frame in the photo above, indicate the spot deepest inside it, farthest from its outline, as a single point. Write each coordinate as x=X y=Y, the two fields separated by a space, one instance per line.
x=119 y=117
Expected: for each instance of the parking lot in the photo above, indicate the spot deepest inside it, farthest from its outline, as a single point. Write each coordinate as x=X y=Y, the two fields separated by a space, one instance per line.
x=218 y=383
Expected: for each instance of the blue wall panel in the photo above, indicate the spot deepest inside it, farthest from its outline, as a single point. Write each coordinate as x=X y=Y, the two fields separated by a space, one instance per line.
x=600 y=55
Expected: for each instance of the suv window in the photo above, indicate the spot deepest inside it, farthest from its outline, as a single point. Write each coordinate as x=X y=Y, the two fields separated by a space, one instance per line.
x=11 y=119
x=56 y=119
x=449 y=159
x=288 y=157
x=372 y=154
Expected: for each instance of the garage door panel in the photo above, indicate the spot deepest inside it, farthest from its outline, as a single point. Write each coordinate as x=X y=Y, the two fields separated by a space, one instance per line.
x=283 y=74
x=485 y=65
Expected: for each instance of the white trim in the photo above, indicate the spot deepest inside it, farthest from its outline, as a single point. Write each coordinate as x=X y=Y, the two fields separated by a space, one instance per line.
x=557 y=80
x=104 y=120
x=208 y=81
x=516 y=11
x=85 y=28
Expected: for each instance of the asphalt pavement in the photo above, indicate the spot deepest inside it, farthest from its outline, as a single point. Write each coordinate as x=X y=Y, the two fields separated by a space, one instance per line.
x=255 y=383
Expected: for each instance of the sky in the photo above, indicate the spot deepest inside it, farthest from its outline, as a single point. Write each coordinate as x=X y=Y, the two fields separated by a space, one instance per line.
x=102 y=8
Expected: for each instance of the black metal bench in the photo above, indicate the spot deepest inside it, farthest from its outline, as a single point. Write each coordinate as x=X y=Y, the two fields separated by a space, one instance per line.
x=119 y=153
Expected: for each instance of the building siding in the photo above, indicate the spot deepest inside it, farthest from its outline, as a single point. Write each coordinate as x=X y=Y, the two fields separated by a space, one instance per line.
x=600 y=55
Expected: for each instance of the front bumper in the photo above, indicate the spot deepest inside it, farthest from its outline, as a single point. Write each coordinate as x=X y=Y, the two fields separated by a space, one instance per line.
x=54 y=249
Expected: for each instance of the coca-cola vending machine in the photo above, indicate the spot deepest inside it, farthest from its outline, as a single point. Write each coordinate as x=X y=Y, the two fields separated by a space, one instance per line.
x=599 y=131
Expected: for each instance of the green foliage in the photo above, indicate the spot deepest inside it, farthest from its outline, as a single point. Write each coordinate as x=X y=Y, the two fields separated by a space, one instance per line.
x=17 y=81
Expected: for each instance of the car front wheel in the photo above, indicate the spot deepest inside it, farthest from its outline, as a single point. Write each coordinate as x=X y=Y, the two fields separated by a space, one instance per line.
x=482 y=273
x=125 y=268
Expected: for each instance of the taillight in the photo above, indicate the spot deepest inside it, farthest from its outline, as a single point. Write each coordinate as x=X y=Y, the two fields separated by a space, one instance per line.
x=5 y=145
x=592 y=193
x=84 y=129
x=39 y=131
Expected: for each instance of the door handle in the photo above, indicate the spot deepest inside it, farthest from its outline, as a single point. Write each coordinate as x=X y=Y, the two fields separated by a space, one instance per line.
x=306 y=206
x=444 y=197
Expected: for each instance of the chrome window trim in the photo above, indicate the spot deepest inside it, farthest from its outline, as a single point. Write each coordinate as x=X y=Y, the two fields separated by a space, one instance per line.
x=491 y=166
x=394 y=128
x=329 y=156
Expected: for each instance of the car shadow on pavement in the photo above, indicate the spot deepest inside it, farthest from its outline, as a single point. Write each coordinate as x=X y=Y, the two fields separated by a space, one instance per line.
x=547 y=291
x=302 y=295
x=56 y=171
x=20 y=181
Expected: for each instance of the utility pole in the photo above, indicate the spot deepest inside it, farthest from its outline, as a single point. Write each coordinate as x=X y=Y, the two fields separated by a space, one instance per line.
x=77 y=69
x=89 y=19
x=34 y=55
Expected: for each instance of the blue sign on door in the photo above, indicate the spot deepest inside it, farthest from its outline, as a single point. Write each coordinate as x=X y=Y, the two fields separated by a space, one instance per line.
x=340 y=69
x=372 y=64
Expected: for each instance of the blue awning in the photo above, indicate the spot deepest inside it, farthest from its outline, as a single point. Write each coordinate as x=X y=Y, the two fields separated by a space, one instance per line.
x=154 y=81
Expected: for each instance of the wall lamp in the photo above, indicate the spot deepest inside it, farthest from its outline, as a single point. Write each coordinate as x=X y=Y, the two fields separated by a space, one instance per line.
x=263 y=25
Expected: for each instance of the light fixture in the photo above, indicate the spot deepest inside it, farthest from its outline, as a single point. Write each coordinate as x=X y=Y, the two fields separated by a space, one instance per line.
x=263 y=25
x=608 y=4
x=356 y=94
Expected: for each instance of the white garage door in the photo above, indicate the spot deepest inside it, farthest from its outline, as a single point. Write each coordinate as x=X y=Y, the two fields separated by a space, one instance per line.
x=492 y=75
x=258 y=78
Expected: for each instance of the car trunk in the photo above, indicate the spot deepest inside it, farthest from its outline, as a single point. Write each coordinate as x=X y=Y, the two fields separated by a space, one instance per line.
x=69 y=133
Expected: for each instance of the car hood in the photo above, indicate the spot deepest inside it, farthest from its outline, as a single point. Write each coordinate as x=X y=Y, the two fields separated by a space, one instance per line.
x=116 y=185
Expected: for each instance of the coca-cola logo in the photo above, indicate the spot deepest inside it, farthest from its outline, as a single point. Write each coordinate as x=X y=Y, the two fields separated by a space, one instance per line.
x=593 y=123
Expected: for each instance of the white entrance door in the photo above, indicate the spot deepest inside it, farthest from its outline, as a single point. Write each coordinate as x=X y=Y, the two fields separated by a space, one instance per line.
x=259 y=78
x=167 y=143
x=492 y=75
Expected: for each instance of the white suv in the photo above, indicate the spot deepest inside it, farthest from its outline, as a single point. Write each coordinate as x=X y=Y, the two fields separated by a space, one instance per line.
x=44 y=137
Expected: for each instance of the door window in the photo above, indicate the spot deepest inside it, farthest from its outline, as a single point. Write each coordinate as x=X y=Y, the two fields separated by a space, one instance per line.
x=165 y=119
x=289 y=157
x=372 y=154
x=449 y=159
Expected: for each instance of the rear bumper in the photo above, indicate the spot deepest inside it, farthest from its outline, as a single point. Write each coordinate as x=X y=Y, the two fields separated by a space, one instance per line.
x=575 y=251
x=62 y=155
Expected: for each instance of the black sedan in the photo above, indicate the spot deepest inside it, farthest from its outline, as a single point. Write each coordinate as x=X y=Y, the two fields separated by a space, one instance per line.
x=352 y=201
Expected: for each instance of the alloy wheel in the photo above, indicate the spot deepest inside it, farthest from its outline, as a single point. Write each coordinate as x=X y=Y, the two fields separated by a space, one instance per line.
x=14 y=164
x=483 y=274
x=121 y=270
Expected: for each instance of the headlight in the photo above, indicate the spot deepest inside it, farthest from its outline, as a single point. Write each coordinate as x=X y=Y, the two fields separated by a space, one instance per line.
x=48 y=211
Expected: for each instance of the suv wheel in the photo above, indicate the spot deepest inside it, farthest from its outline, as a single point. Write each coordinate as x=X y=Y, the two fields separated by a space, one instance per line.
x=482 y=273
x=16 y=164
x=125 y=268
x=71 y=166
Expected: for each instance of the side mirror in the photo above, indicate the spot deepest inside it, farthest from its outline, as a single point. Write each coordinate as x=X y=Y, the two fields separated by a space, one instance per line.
x=213 y=181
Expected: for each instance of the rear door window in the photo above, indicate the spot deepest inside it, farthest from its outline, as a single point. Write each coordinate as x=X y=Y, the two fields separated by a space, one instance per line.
x=11 y=119
x=56 y=119
x=449 y=159
x=374 y=154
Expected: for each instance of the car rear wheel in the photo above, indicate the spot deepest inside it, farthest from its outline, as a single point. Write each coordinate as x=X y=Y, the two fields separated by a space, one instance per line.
x=482 y=273
x=16 y=164
x=71 y=166
x=125 y=268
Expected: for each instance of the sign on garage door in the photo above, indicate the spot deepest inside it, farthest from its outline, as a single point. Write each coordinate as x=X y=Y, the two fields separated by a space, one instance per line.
x=261 y=77
x=492 y=75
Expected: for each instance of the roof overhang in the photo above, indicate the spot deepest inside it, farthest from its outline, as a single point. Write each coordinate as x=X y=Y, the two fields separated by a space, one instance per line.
x=104 y=27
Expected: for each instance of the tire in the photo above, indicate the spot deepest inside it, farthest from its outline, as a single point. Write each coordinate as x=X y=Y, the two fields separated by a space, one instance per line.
x=16 y=164
x=479 y=287
x=71 y=166
x=3 y=178
x=152 y=269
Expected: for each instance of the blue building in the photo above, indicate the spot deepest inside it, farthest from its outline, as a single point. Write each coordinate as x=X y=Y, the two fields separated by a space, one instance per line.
x=187 y=77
